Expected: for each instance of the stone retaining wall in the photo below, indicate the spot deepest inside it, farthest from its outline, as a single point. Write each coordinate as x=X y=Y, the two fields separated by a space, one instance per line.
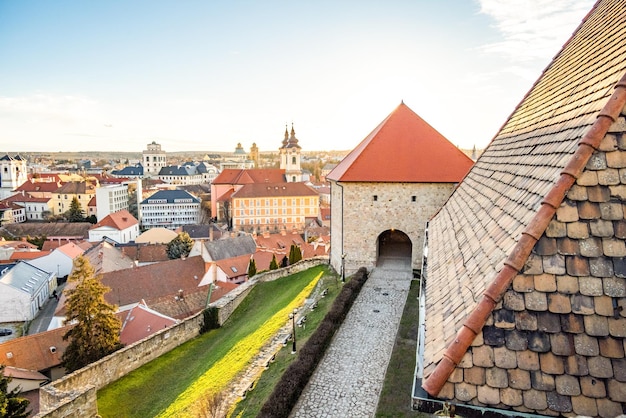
x=70 y=396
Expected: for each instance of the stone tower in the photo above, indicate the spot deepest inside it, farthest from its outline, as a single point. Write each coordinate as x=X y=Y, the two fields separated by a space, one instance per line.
x=290 y=157
x=254 y=154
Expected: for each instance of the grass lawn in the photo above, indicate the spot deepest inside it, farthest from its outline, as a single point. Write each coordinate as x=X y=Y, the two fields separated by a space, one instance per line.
x=254 y=400
x=395 y=397
x=150 y=389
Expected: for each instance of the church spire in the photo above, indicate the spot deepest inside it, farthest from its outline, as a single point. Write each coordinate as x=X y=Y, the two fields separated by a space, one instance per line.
x=286 y=140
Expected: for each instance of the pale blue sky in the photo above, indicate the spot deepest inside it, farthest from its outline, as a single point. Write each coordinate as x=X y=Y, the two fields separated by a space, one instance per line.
x=205 y=75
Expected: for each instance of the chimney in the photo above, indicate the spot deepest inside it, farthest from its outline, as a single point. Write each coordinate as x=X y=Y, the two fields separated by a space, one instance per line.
x=210 y=232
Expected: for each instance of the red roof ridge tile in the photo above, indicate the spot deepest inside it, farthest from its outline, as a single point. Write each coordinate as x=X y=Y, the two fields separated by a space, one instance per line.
x=516 y=258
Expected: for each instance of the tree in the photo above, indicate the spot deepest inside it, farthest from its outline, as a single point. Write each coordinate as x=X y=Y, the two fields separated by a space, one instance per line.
x=38 y=241
x=251 y=268
x=273 y=263
x=295 y=254
x=11 y=405
x=180 y=246
x=75 y=213
x=96 y=329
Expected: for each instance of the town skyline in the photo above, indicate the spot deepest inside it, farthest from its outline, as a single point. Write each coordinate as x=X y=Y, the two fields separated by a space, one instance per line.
x=113 y=77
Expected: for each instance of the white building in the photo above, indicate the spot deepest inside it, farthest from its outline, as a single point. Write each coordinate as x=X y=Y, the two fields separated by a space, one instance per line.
x=169 y=209
x=188 y=173
x=24 y=289
x=13 y=172
x=154 y=158
x=59 y=261
x=121 y=227
x=110 y=199
x=290 y=157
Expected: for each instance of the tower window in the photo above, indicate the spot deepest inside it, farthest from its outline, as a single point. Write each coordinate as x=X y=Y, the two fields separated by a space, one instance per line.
x=413 y=198
x=293 y=160
x=375 y=198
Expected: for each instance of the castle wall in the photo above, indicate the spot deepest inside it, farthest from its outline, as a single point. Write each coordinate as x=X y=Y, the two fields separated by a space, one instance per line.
x=362 y=211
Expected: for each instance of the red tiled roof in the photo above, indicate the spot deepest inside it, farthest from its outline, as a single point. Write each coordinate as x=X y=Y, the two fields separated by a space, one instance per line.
x=32 y=186
x=273 y=190
x=28 y=255
x=141 y=322
x=403 y=148
x=247 y=176
x=71 y=250
x=119 y=220
x=33 y=352
x=26 y=198
x=154 y=281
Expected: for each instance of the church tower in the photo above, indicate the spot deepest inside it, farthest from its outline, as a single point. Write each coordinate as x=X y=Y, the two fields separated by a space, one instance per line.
x=290 y=157
x=13 y=173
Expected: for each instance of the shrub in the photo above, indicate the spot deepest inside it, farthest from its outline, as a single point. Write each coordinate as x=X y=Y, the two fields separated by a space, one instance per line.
x=211 y=319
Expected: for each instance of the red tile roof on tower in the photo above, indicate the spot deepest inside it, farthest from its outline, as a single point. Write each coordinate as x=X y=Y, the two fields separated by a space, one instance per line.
x=119 y=220
x=243 y=176
x=403 y=148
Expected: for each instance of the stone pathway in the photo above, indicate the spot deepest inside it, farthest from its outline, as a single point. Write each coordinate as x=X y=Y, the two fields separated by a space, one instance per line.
x=349 y=379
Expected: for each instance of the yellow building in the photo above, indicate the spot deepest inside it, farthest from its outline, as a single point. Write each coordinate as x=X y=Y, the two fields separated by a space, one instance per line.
x=63 y=196
x=273 y=207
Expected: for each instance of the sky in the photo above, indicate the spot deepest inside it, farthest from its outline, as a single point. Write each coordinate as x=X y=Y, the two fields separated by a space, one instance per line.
x=205 y=75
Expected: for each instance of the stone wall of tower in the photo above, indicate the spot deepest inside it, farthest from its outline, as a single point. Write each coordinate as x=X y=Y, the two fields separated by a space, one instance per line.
x=362 y=211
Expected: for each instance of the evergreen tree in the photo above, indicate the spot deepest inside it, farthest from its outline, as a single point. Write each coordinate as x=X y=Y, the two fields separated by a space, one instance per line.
x=180 y=246
x=76 y=213
x=295 y=254
x=11 y=405
x=251 y=268
x=274 y=263
x=95 y=331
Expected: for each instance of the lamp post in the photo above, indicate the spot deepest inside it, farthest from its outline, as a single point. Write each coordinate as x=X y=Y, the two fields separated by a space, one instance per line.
x=292 y=316
x=343 y=267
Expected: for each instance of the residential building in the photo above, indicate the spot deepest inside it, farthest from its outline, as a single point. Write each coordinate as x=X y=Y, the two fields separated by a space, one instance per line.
x=273 y=207
x=524 y=290
x=40 y=352
x=35 y=208
x=154 y=159
x=140 y=322
x=120 y=226
x=131 y=172
x=188 y=174
x=63 y=196
x=110 y=199
x=169 y=209
x=40 y=187
x=385 y=190
x=24 y=289
x=13 y=172
x=60 y=260
x=290 y=157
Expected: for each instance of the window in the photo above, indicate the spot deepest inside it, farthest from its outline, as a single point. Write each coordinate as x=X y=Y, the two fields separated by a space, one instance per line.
x=375 y=198
x=293 y=160
x=413 y=198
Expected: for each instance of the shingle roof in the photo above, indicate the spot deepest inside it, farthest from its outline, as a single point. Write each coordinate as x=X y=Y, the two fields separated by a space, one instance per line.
x=76 y=187
x=274 y=190
x=230 y=247
x=129 y=171
x=484 y=234
x=419 y=154
x=140 y=322
x=39 y=186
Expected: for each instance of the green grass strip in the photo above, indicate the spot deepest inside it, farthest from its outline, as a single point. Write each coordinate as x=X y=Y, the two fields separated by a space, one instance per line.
x=228 y=367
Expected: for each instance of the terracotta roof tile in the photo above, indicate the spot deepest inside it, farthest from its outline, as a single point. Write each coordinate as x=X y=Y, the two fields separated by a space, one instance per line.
x=119 y=220
x=428 y=157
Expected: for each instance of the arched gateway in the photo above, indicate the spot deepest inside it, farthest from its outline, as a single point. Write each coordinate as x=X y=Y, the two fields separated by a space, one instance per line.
x=394 y=247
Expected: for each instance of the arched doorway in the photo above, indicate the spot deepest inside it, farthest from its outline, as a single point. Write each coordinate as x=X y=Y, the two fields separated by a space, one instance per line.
x=394 y=249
